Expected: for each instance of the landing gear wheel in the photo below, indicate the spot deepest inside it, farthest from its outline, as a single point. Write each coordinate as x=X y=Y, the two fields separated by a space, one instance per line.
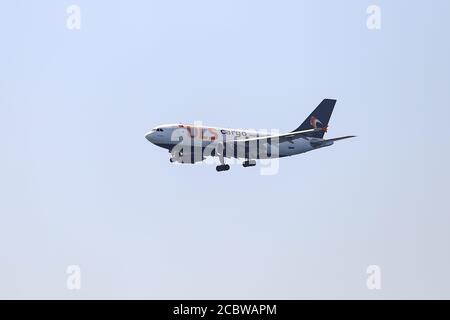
x=223 y=167
x=172 y=160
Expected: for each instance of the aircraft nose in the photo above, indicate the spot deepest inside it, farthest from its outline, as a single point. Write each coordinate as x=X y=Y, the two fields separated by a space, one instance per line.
x=149 y=136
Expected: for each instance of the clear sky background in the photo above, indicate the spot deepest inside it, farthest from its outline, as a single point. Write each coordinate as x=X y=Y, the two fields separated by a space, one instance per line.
x=80 y=185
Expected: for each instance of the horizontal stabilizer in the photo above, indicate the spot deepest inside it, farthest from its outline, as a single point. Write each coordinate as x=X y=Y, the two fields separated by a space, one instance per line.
x=340 y=138
x=328 y=142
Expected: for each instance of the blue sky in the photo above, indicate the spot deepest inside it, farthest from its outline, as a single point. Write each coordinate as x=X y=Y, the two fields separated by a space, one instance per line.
x=81 y=185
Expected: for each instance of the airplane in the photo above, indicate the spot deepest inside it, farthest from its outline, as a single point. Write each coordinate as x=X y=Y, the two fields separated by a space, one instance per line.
x=191 y=144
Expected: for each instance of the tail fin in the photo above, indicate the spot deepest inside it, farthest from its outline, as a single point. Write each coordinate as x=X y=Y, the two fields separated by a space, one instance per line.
x=319 y=118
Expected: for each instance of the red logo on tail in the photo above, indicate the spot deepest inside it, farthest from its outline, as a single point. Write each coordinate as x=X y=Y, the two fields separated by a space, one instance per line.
x=313 y=121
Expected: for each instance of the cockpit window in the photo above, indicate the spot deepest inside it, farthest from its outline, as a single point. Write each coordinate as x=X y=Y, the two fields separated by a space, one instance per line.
x=158 y=129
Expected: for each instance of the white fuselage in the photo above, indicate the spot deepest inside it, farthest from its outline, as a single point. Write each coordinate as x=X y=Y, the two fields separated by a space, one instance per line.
x=170 y=136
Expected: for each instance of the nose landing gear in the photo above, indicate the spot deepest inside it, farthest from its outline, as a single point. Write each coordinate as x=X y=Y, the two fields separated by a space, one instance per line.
x=177 y=156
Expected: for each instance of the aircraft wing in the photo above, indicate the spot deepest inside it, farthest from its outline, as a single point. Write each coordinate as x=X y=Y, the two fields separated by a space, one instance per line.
x=282 y=137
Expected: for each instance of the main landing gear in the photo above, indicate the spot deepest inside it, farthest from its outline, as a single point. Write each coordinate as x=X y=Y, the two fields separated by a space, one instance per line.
x=223 y=167
x=226 y=167
x=219 y=153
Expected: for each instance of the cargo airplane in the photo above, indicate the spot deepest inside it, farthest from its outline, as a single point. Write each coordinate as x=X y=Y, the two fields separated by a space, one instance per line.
x=190 y=144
